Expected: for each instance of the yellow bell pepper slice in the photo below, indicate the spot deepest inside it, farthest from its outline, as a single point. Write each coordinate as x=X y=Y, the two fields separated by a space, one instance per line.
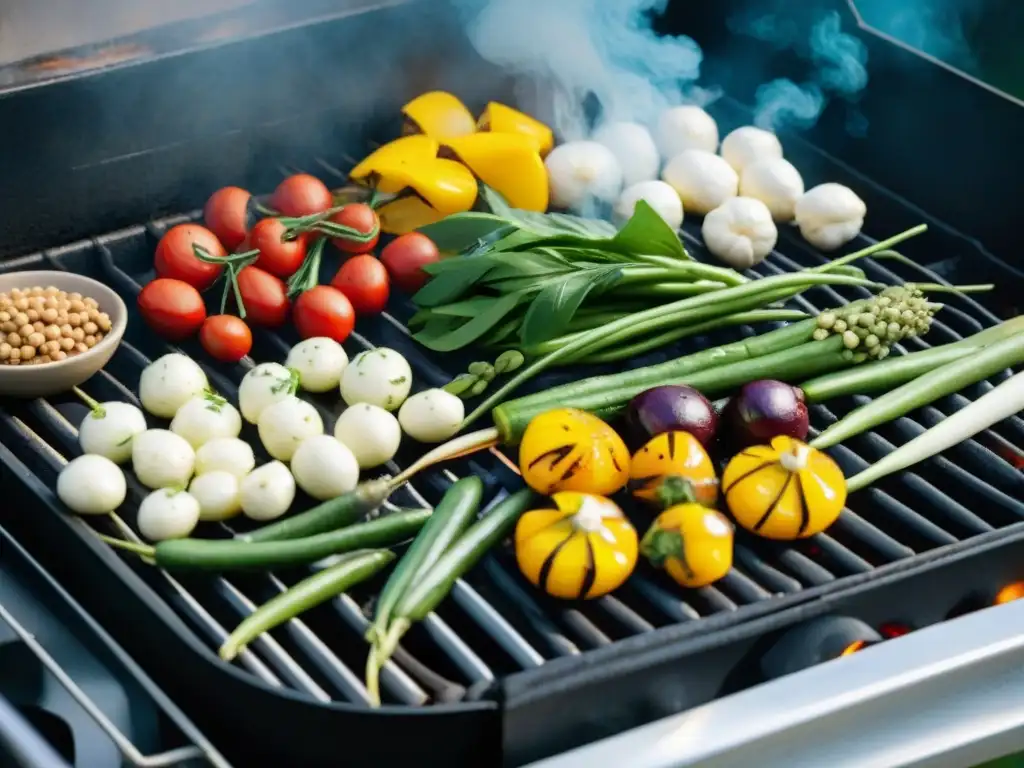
x=437 y=187
x=406 y=214
x=499 y=118
x=440 y=115
x=583 y=548
x=508 y=163
x=408 y=149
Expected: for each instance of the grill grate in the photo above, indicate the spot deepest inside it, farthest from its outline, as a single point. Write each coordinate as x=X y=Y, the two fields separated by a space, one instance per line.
x=495 y=624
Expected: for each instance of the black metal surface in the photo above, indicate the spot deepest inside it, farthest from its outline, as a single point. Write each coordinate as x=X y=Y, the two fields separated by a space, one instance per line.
x=496 y=639
x=42 y=723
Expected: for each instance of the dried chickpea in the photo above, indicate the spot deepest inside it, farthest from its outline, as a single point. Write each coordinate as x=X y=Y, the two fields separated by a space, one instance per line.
x=91 y=303
x=103 y=321
x=14 y=339
x=90 y=328
x=5 y=351
x=80 y=347
x=26 y=329
x=20 y=319
x=74 y=319
x=48 y=315
x=32 y=314
x=67 y=343
x=40 y=325
x=5 y=316
x=27 y=352
x=77 y=334
x=59 y=355
x=51 y=332
x=36 y=340
x=21 y=304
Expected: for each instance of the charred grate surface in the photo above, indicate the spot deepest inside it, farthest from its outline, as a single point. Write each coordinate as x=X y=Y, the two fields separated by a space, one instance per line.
x=495 y=624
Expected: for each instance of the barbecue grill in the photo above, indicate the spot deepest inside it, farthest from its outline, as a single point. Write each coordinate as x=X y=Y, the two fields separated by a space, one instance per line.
x=499 y=674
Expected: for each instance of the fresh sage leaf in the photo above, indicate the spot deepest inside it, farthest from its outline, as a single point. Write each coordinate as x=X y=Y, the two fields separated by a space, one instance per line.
x=455 y=233
x=647 y=233
x=550 y=313
x=451 y=285
x=474 y=328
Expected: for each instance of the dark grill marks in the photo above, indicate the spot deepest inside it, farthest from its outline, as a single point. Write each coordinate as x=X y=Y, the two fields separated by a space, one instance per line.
x=557 y=455
x=747 y=474
x=671 y=445
x=775 y=502
x=549 y=561
x=805 y=512
x=590 y=574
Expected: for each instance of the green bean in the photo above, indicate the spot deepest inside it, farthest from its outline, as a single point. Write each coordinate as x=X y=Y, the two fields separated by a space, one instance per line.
x=327 y=516
x=434 y=585
x=234 y=554
x=450 y=518
x=925 y=389
x=308 y=593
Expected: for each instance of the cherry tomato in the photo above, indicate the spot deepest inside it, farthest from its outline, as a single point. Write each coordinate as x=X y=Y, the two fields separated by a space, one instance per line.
x=227 y=215
x=364 y=281
x=360 y=217
x=277 y=256
x=226 y=338
x=324 y=311
x=172 y=308
x=265 y=297
x=301 y=195
x=175 y=259
x=405 y=256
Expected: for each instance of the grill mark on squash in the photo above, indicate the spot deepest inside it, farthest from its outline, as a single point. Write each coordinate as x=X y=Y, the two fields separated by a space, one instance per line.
x=805 y=512
x=558 y=455
x=671 y=445
x=549 y=561
x=590 y=574
x=750 y=472
x=775 y=503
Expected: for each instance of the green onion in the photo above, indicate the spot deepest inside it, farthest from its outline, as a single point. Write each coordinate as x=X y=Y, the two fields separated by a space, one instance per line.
x=998 y=404
x=925 y=389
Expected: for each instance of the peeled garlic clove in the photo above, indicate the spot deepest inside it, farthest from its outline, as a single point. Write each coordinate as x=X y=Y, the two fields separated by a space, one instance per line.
x=579 y=171
x=633 y=147
x=703 y=180
x=740 y=232
x=829 y=215
x=657 y=194
x=747 y=145
x=686 y=127
x=776 y=183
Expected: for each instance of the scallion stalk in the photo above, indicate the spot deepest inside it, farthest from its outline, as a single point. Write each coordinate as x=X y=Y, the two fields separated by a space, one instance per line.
x=989 y=409
x=925 y=389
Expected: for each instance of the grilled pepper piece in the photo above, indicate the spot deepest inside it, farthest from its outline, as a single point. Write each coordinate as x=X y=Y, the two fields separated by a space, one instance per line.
x=508 y=163
x=670 y=454
x=582 y=548
x=571 y=450
x=692 y=543
x=498 y=118
x=439 y=115
x=408 y=149
x=784 y=491
x=430 y=190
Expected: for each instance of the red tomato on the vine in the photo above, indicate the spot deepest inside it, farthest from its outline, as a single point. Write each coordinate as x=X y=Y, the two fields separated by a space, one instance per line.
x=172 y=308
x=278 y=257
x=362 y=218
x=265 y=297
x=176 y=260
x=404 y=258
x=324 y=311
x=301 y=195
x=226 y=338
x=364 y=281
x=227 y=215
